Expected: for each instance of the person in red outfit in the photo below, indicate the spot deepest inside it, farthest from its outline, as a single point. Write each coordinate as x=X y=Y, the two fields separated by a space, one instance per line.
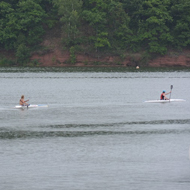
x=163 y=95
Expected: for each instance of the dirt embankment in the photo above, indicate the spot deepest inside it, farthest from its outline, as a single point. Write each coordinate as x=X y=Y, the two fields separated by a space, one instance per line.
x=55 y=56
x=172 y=59
x=58 y=57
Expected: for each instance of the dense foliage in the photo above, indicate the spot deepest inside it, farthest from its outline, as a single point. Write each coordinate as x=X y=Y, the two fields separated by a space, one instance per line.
x=106 y=25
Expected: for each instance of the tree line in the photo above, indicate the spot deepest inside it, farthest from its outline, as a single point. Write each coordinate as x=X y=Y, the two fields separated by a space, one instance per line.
x=99 y=25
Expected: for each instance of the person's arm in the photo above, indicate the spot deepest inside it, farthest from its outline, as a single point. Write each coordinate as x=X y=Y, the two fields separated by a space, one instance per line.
x=165 y=97
x=168 y=93
x=21 y=102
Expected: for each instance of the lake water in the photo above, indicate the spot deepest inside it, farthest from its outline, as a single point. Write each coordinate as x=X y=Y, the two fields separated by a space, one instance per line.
x=97 y=133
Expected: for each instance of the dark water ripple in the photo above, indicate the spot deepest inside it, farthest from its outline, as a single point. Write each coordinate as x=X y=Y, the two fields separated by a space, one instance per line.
x=155 y=122
x=89 y=130
x=42 y=134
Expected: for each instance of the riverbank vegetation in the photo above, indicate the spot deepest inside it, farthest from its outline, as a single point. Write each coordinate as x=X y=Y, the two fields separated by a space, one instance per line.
x=99 y=26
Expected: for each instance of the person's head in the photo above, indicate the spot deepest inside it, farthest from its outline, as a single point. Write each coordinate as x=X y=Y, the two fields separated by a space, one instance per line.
x=164 y=91
x=22 y=97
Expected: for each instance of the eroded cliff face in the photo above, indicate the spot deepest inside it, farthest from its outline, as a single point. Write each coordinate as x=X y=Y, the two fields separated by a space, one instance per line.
x=54 y=55
x=63 y=58
x=172 y=59
x=57 y=57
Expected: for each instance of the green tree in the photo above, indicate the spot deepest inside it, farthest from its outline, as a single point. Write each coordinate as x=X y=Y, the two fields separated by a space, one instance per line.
x=109 y=22
x=118 y=25
x=180 y=27
x=69 y=11
x=7 y=36
x=153 y=27
x=30 y=18
x=22 y=54
x=25 y=19
x=132 y=8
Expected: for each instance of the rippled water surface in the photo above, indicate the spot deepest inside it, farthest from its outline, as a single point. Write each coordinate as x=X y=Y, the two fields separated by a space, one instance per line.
x=97 y=132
